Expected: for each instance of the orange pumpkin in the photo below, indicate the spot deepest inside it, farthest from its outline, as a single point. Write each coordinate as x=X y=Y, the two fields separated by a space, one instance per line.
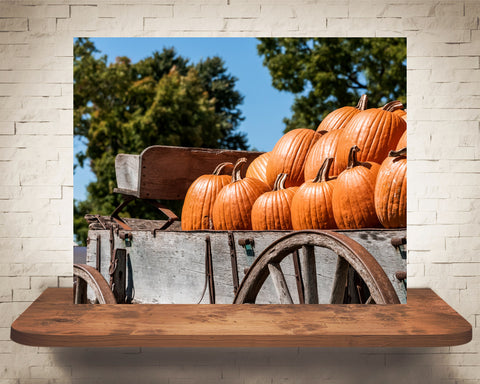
x=200 y=197
x=340 y=117
x=391 y=190
x=324 y=148
x=353 y=197
x=375 y=131
x=402 y=143
x=312 y=204
x=233 y=206
x=272 y=209
x=289 y=154
x=258 y=167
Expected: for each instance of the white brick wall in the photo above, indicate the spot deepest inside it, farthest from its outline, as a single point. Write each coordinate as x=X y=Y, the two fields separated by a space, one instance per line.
x=36 y=179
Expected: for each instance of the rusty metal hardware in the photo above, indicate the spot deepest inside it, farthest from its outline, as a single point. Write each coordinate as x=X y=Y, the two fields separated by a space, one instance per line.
x=99 y=253
x=248 y=245
x=402 y=277
x=112 y=253
x=130 y=292
x=208 y=272
x=209 y=268
x=117 y=273
x=127 y=237
x=233 y=259
x=399 y=243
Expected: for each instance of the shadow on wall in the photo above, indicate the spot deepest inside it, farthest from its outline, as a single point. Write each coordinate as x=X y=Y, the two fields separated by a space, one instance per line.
x=248 y=365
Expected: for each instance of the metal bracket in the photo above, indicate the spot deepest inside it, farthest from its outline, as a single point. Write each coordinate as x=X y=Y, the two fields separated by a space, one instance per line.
x=248 y=245
x=399 y=243
x=127 y=237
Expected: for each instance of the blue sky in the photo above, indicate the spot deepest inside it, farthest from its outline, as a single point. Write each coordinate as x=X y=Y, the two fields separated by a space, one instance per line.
x=263 y=108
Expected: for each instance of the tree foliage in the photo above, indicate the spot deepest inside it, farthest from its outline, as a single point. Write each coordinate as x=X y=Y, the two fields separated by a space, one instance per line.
x=125 y=107
x=329 y=73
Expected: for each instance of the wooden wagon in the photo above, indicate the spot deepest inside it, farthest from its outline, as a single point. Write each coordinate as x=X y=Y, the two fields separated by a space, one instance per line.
x=154 y=261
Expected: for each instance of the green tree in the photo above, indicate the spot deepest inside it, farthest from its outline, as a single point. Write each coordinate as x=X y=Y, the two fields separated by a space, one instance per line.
x=329 y=73
x=125 y=107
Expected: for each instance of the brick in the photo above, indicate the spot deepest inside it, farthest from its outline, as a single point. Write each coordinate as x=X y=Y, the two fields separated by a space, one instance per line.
x=42 y=25
x=34 y=11
x=465 y=269
x=65 y=281
x=7 y=128
x=30 y=89
x=182 y=24
x=446 y=36
x=132 y=10
x=36 y=76
x=82 y=18
x=229 y=10
x=449 y=9
x=13 y=24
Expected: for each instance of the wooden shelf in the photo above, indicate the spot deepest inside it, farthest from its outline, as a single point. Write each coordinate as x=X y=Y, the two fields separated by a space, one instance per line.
x=426 y=321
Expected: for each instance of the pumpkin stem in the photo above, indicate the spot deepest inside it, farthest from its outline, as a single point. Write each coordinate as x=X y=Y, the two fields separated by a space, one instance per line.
x=220 y=167
x=362 y=103
x=400 y=153
x=392 y=106
x=322 y=174
x=237 y=169
x=352 y=159
x=280 y=181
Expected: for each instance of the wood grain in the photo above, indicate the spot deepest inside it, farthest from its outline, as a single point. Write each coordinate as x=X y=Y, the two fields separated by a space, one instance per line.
x=164 y=172
x=426 y=321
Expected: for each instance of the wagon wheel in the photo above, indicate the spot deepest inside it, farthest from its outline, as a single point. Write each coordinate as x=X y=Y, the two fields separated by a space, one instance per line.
x=349 y=252
x=89 y=276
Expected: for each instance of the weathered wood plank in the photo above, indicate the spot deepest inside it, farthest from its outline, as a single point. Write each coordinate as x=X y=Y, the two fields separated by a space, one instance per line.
x=170 y=267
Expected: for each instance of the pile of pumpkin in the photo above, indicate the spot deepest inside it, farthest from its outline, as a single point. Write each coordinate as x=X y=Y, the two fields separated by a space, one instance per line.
x=350 y=173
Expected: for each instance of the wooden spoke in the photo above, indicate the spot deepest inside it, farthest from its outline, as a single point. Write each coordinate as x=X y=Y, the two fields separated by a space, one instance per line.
x=280 y=284
x=298 y=277
x=339 y=281
x=309 y=274
x=80 y=291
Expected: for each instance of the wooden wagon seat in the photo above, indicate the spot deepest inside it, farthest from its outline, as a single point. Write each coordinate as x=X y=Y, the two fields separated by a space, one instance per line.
x=165 y=173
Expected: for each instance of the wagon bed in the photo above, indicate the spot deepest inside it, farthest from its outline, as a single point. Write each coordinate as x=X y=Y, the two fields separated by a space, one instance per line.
x=160 y=265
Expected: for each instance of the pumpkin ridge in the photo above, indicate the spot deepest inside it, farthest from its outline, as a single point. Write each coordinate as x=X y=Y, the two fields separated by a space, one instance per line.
x=199 y=204
x=389 y=124
x=401 y=170
x=276 y=211
x=377 y=121
x=243 y=198
x=393 y=190
x=291 y=164
x=203 y=203
x=371 y=192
